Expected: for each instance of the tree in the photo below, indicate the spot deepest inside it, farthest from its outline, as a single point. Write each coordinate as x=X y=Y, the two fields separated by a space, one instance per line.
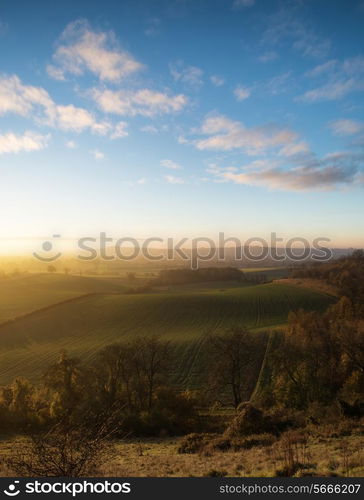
x=51 y=268
x=113 y=371
x=232 y=353
x=150 y=364
x=129 y=373
x=64 y=378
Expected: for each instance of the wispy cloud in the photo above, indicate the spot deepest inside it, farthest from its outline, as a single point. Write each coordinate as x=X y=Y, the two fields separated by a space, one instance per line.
x=279 y=84
x=171 y=179
x=269 y=56
x=346 y=127
x=297 y=148
x=224 y=134
x=332 y=90
x=188 y=75
x=120 y=131
x=322 y=69
x=29 y=141
x=97 y=154
x=333 y=172
x=71 y=144
x=144 y=102
x=338 y=79
x=80 y=48
x=240 y=4
x=153 y=27
x=170 y=164
x=150 y=129
x=217 y=80
x=241 y=93
x=285 y=27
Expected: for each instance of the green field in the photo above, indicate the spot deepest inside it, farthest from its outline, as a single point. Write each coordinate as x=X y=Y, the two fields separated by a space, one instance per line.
x=84 y=325
x=270 y=273
x=24 y=294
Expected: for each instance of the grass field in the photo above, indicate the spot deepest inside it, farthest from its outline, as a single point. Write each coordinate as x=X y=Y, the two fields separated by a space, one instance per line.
x=87 y=323
x=269 y=273
x=24 y=294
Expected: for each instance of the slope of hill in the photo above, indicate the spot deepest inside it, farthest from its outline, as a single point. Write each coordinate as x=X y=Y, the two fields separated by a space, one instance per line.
x=82 y=326
x=24 y=294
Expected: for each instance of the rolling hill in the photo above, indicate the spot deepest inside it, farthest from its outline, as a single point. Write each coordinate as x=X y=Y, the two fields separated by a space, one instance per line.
x=103 y=316
x=24 y=294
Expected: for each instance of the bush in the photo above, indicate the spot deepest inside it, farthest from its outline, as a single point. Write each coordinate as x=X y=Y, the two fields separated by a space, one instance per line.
x=252 y=420
x=209 y=443
x=194 y=443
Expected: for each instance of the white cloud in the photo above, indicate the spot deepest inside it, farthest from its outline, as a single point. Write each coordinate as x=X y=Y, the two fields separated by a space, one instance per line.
x=55 y=73
x=346 y=127
x=170 y=164
x=15 y=97
x=35 y=102
x=216 y=80
x=77 y=119
x=98 y=155
x=171 y=179
x=71 y=144
x=241 y=93
x=189 y=75
x=139 y=102
x=29 y=141
x=120 y=131
x=224 y=134
x=80 y=48
x=142 y=180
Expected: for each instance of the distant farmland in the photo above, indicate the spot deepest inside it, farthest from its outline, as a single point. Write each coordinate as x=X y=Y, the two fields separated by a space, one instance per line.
x=83 y=325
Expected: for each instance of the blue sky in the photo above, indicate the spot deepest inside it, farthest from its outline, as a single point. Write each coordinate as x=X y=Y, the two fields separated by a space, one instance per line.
x=182 y=118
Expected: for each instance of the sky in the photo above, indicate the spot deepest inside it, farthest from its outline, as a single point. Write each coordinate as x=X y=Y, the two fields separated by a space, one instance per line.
x=182 y=118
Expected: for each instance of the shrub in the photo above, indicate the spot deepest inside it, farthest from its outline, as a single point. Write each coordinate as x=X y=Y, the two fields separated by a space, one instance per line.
x=194 y=443
x=252 y=420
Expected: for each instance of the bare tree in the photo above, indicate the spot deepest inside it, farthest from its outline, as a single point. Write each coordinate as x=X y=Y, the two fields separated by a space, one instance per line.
x=232 y=353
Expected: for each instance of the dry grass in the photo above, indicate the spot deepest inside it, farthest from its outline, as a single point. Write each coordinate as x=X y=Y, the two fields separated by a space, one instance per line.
x=318 y=455
x=152 y=458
